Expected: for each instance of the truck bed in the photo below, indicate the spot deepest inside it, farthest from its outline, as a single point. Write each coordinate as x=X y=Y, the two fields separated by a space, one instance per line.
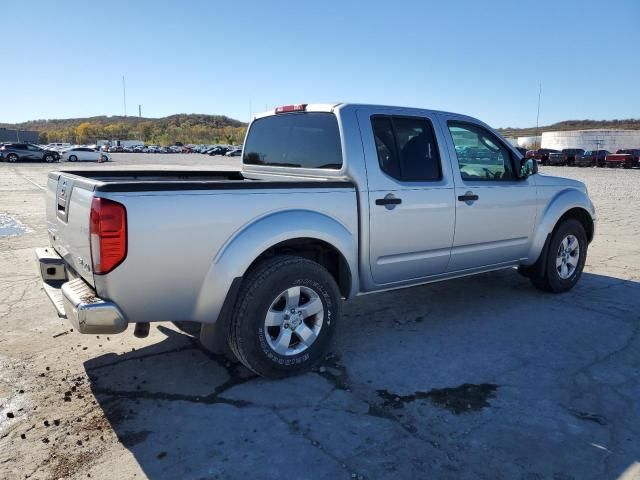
x=171 y=180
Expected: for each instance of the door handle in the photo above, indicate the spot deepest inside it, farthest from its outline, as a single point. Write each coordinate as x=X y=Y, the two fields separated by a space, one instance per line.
x=388 y=201
x=468 y=197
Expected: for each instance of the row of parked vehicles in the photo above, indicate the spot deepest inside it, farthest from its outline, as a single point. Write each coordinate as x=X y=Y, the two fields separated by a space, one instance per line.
x=20 y=152
x=228 y=150
x=578 y=157
x=145 y=149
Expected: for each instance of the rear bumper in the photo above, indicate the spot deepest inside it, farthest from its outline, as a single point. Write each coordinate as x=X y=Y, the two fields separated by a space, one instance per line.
x=75 y=300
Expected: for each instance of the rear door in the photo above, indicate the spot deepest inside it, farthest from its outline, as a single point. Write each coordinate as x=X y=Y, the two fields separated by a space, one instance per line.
x=87 y=154
x=411 y=196
x=495 y=211
x=33 y=153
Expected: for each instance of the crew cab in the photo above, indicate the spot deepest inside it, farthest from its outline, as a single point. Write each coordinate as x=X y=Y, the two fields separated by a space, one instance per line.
x=566 y=157
x=332 y=201
x=592 y=158
x=541 y=154
x=626 y=158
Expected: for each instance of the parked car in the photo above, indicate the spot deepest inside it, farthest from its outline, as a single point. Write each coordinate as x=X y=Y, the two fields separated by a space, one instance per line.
x=85 y=154
x=332 y=201
x=541 y=154
x=592 y=158
x=234 y=153
x=626 y=158
x=14 y=152
x=58 y=146
x=218 y=151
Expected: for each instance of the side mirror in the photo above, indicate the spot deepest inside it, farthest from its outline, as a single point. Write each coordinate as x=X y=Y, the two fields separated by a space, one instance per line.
x=528 y=167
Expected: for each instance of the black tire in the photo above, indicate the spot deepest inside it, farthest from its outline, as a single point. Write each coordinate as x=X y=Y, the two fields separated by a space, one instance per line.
x=12 y=158
x=49 y=158
x=105 y=158
x=544 y=274
x=262 y=285
x=73 y=158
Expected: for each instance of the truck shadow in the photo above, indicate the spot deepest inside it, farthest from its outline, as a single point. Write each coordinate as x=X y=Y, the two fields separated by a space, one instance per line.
x=403 y=359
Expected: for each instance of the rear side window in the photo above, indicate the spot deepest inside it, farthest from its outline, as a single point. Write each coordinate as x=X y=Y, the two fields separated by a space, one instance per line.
x=303 y=140
x=406 y=148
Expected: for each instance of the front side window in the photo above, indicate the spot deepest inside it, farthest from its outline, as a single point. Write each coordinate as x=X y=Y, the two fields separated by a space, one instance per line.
x=302 y=140
x=480 y=155
x=406 y=148
x=33 y=148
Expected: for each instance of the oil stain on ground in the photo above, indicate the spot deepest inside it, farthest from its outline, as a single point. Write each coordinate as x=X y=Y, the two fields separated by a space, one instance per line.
x=465 y=398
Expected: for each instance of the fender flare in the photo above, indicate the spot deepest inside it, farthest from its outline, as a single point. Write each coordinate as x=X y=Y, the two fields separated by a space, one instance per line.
x=564 y=201
x=247 y=244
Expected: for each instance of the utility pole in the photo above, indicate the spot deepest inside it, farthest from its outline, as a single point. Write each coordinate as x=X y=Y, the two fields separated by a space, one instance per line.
x=124 y=96
x=538 y=115
x=139 y=111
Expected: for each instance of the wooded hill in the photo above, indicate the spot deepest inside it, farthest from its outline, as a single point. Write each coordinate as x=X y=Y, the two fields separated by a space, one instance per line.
x=185 y=128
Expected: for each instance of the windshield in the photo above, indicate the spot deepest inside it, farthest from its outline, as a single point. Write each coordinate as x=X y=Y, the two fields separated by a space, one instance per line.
x=303 y=140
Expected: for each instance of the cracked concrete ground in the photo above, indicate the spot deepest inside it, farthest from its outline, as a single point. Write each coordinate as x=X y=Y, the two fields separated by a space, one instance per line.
x=483 y=377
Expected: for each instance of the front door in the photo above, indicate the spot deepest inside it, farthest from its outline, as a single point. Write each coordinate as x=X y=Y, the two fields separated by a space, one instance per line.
x=410 y=196
x=495 y=210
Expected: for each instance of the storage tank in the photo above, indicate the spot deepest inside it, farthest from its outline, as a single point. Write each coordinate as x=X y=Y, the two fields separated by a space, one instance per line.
x=611 y=140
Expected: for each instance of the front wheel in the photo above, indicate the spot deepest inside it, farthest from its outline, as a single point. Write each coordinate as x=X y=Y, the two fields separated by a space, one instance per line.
x=565 y=258
x=49 y=158
x=285 y=316
x=73 y=158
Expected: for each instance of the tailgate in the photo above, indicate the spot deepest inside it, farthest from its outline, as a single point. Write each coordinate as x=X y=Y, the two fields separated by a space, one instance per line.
x=68 y=211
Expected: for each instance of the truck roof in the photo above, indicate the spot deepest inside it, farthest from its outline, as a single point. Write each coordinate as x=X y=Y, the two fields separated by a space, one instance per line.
x=331 y=107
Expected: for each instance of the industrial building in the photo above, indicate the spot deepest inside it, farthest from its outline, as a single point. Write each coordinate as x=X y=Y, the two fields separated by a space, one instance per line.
x=8 y=135
x=611 y=140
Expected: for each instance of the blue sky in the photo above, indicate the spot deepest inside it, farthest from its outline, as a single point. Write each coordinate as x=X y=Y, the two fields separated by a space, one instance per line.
x=483 y=58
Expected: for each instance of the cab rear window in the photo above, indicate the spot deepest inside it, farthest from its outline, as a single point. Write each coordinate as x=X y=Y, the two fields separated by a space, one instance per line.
x=299 y=140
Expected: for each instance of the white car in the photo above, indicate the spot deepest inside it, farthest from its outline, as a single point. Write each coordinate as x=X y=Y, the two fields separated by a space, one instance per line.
x=84 y=154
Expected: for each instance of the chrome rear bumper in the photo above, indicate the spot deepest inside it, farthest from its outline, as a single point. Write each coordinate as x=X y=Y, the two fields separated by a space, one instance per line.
x=75 y=299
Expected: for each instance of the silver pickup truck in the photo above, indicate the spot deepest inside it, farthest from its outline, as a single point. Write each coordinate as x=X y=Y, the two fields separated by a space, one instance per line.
x=332 y=201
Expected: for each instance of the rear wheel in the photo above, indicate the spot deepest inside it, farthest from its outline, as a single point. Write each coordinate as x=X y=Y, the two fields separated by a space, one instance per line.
x=565 y=258
x=12 y=158
x=285 y=316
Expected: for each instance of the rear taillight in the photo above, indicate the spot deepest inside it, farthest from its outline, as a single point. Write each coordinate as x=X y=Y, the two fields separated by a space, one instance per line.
x=107 y=234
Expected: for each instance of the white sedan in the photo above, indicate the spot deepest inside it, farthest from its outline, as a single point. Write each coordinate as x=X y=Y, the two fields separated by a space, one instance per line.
x=84 y=154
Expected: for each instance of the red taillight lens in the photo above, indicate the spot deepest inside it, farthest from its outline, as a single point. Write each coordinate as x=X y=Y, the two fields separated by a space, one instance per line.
x=292 y=108
x=107 y=234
